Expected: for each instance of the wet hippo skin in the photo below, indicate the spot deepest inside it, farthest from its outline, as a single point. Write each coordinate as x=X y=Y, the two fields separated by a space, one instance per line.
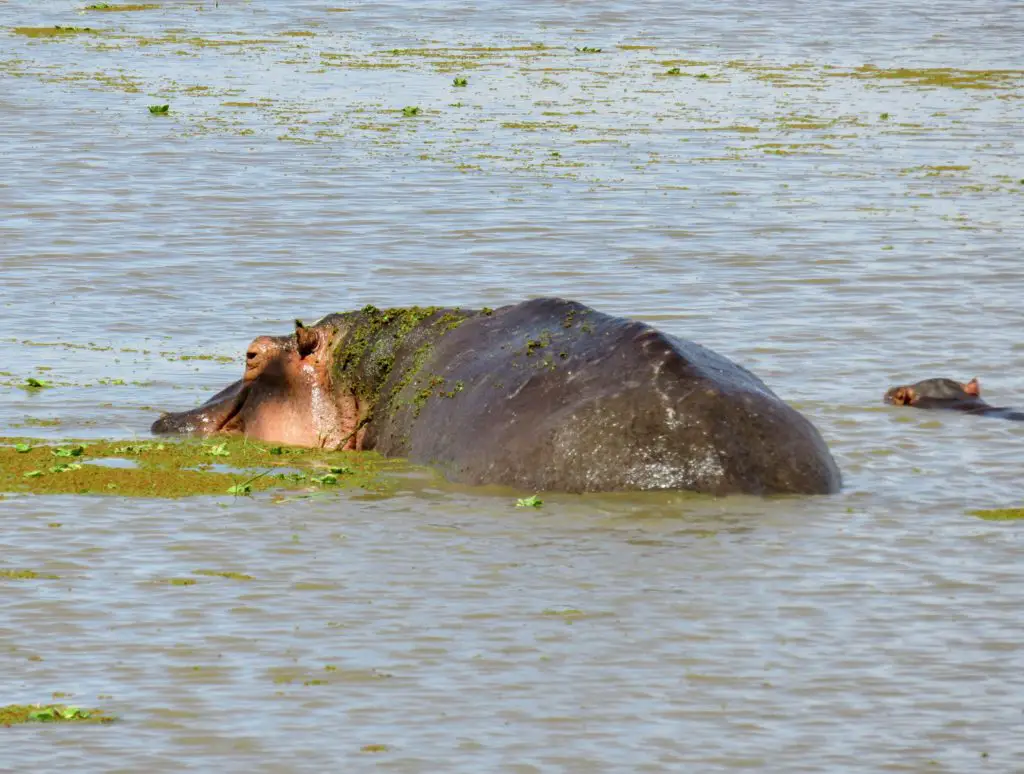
x=544 y=395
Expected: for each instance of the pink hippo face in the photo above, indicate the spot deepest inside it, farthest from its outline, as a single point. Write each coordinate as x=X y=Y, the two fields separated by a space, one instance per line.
x=286 y=395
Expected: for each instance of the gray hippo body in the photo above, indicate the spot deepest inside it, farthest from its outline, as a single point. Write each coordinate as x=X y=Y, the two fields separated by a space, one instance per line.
x=545 y=395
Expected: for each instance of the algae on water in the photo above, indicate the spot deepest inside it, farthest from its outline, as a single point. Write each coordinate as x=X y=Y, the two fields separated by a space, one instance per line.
x=182 y=468
x=14 y=714
x=999 y=514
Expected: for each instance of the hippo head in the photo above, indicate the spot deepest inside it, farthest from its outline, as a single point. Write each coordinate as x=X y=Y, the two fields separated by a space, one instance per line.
x=937 y=390
x=286 y=396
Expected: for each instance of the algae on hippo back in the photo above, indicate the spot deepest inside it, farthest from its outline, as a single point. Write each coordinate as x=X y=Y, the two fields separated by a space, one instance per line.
x=545 y=395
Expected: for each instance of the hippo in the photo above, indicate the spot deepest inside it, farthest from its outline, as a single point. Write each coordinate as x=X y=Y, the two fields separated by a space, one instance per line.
x=948 y=394
x=543 y=395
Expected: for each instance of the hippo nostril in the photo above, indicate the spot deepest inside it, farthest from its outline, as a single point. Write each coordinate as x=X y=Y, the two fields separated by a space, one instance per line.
x=250 y=356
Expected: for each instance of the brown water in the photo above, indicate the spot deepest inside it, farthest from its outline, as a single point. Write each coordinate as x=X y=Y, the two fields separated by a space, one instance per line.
x=835 y=228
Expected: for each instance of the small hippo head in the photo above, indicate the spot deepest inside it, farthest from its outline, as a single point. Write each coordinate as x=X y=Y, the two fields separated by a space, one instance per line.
x=933 y=391
x=286 y=396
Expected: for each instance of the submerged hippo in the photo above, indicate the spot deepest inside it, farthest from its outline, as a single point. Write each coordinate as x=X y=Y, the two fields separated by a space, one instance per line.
x=546 y=395
x=948 y=394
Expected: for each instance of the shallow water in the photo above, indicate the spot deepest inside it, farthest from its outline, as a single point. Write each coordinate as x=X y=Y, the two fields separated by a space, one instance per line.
x=835 y=228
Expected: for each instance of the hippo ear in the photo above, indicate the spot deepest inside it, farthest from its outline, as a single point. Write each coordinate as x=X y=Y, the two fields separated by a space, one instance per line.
x=306 y=339
x=973 y=388
x=903 y=396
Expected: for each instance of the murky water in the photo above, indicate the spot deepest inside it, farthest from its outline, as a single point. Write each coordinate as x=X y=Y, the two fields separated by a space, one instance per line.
x=773 y=186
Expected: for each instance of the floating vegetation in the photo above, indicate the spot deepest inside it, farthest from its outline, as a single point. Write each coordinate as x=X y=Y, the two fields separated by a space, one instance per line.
x=14 y=714
x=122 y=7
x=561 y=84
x=569 y=612
x=64 y=467
x=35 y=422
x=935 y=170
x=25 y=575
x=947 y=77
x=182 y=469
x=159 y=110
x=245 y=488
x=529 y=502
x=56 y=31
x=223 y=574
x=35 y=384
x=999 y=514
x=68 y=451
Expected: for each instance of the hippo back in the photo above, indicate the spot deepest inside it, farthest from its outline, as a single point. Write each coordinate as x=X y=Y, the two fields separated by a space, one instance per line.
x=551 y=395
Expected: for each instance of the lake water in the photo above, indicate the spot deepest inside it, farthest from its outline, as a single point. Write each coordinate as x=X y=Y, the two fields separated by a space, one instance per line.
x=831 y=195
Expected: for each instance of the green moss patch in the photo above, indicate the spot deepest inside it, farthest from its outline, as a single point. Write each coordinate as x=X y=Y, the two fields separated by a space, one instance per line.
x=14 y=714
x=225 y=466
x=1000 y=514
x=373 y=337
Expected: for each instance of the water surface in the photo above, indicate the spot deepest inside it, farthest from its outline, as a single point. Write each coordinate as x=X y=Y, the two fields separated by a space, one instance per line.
x=831 y=196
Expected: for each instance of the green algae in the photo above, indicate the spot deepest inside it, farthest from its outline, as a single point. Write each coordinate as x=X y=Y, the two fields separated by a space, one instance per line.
x=180 y=469
x=999 y=514
x=223 y=574
x=25 y=575
x=56 y=31
x=119 y=7
x=947 y=77
x=15 y=714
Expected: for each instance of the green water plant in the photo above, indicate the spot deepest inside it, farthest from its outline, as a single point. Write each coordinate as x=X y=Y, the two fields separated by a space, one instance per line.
x=14 y=714
x=245 y=488
x=69 y=451
x=533 y=501
x=159 y=110
x=460 y=81
x=999 y=514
